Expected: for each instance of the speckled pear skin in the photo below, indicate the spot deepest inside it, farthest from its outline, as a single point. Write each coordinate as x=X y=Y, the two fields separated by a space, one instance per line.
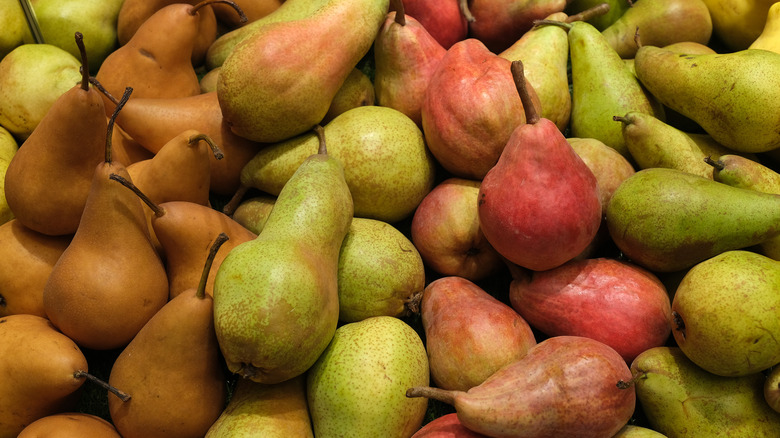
x=275 y=297
x=734 y=96
x=668 y=220
x=678 y=397
x=357 y=387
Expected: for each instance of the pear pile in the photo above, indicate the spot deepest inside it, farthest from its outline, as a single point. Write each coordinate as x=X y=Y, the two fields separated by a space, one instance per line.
x=390 y=218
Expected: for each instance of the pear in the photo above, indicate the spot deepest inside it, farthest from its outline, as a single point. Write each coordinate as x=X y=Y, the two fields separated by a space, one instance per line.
x=172 y=369
x=725 y=313
x=387 y=165
x=39 y=365
x=601 y=21
x=270 y=89
x=469 y=334
x=564 y=386
x=276 y=297
x=446 y=21
x=736 y=24
x=499 y=23
x=678 y=397
x=70 y=424
x=357 y=385
x=728 y=95
x=772 y=389
x=258 y=410
x=659 y=23
x=252 y=213
x=769 y=39
x=447 y=425
x=357 y=90
x=60 y=156
x=8 y=148
x=608 y=166
x=668 y=220
x=539 y=206
x=632 y=431
x=14 y=25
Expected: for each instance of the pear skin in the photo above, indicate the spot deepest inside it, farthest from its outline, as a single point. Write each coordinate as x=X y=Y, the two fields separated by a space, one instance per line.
x=769 y=39
x=75 y=424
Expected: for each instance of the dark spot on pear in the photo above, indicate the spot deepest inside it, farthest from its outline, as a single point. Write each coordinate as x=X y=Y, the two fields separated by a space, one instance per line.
x=679 y=324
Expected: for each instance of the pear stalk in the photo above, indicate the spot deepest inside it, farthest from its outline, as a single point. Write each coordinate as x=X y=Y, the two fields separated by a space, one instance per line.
x=156 y=209
x=242 y=16
x=221 y=238
x=122 y=395
x=430 y=392
x=218 y=154
x=400 y=12
x=84 y=65
x=531 y=113
x=587 y=14
x=464 y=9
x=111 y=121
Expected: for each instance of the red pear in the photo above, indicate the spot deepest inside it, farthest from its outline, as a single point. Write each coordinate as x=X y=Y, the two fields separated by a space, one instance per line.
x=539 y=206
x=443 y=19
x=446 y=426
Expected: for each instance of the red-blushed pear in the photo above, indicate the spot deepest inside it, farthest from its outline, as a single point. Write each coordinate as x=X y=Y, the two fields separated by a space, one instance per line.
x=406 y=56
x=172 y=369
x=608 y=166
x=470 y=109
x=539 y=207
x=564 y=386
x=615 y=302
x=444 y=20
x=446 y=426
x=70 y=424
x=469 y=333
x=445 y=230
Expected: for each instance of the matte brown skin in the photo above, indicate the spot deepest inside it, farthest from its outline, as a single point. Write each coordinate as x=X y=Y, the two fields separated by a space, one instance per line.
x=70 y=425
x=36 y=381
x=32 y=253
x=110 y=280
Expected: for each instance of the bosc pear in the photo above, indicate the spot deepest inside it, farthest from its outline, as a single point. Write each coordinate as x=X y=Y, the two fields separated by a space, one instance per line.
x=276 y=297
x=271 y=88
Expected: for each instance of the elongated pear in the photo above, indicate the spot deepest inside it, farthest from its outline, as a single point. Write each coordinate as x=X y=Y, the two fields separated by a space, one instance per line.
x=734 y=96
x=270 y=88
x=769 y=39
x=677 y=397
x=668 y=220
x=276 y=297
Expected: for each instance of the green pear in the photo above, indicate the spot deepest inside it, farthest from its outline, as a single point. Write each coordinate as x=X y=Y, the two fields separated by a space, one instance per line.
x=257 y=410
x=272 y=88
x=96 y=19
x=602 y=86
x=680 y=399
x=734 y=96
x=726 y=313
x=659 y=23
x=357 y=90
x=14 y=25
x=387 y=165
x=357 y=387
x=616 y=9
x=654 y=143
x=380 y=270
x=8 y=148
x=276 y=297
x=32 y=77
x=668 y=220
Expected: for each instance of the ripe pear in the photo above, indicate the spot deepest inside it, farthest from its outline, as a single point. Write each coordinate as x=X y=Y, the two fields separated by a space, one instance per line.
x=769 y=39
x=70 y=425
x=608 y=166
x=564 y=386
x=446 y=426
x=632 y=431
x=678 y=397
x=357 y=90
x=14 y=25
x=8 y=148
x=726 y=317
x=357 y=385
x=258 y=410
x=668 y=220
x=276 y=297
x=731 y=96
x=737 y=23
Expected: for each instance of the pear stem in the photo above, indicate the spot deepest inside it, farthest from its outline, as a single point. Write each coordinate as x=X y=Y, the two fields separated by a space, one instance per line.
x=231 y=206
x=221 y=238
x=531 y=114
x=214 y=148
x=84 y=69
x=622 y=384
x=464 y=9
x=718 y=165
x=323 y=149
x=122 y=395
x=241 y=14
x=434 y=393
x=621 y=119
x=110 y=129
x=400 y=12
x=637 y=39
x=103 y=90
x=587 y=14
x=156 y=209
x=565 y=25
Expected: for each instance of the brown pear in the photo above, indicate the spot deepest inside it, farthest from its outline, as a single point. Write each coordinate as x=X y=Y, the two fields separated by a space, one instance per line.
x=32 y=253
x=172 y=369
x=38 y=365
x=469 y=333
x=70 y=425
x=153 y=122
x=47 y=181
x=110 y=280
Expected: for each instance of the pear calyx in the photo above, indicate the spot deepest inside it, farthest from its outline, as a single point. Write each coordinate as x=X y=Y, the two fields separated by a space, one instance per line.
x=679 y=324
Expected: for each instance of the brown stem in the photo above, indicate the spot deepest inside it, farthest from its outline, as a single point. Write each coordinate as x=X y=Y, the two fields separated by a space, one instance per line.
x=156 y=209
x=231 y=3
x=718 y=165
x=231 y=206
x=434 y=393
x=562 y=24
x=103 y=90
x=531 y=113
x=204 y=276
x=596 y=11
x=400 y=12
x=637 y=40
x=464 y=9
x=84 y=69
x=214 y=148
x=110 y=129
x=323 y=149
x=122 y=395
